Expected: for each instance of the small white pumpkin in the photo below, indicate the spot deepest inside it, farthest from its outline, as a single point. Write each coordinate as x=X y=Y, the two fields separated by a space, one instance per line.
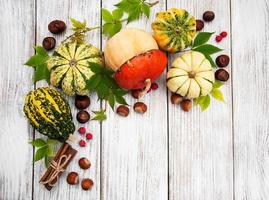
x=191 y=75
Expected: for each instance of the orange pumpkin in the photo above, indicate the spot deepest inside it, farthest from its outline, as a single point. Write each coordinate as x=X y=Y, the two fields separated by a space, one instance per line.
x=135 y=57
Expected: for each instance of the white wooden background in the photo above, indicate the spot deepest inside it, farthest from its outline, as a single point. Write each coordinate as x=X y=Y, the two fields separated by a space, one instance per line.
x=220 y=154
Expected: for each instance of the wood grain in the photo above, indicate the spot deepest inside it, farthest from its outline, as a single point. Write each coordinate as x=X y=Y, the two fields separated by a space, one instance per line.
x=251 y=95
x=81 y=10
x=134 y=149
x=200 y=143
x=17 y=39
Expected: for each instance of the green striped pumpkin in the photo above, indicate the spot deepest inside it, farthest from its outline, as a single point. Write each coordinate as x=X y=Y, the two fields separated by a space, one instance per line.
x=69 y=66
x=49 y=113
x=174 y=29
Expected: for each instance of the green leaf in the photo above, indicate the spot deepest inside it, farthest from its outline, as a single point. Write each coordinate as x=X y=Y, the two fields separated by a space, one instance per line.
x=146 y=9
x=102 y=90
x=77 y=24
x=41 y=51
x=203 y=101
x=124 y=5
x=134 y=14
x=217 y=94
x=117 y=14
x=50 y=151
x=111 y=101
x=217 y=84
x=120 y=100
x=36 y=60
x=96 y=68
x=38 y=142
x=42 y=73
x=108 y=29
x=40 y=153
x=51 y=141
x=106 y=15
x=213 y=64
x=93 y=82
x=46 y=160
x=117 y=27
x=202 y=38
x=100 y=115
x=207 y=49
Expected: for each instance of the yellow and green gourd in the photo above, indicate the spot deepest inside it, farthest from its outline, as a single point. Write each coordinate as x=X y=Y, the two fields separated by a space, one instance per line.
x=174 y=29
x=69 y=66
x=49 y=113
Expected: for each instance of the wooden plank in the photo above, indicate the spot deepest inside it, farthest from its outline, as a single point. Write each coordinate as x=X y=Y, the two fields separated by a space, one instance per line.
x=81 y=9
x=134 y=149
x=250 y=94
x=200 y=143
x=17 y=39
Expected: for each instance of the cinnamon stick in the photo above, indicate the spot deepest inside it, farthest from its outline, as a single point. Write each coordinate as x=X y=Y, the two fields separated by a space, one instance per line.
x=65 y=150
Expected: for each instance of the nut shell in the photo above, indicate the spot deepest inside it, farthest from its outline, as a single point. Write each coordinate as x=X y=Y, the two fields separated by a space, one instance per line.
x=176 y=99
x=222 y=60
x=84 y=163
x=199 y=25
x=86 y=184
x=49 y=43
x=83 y=116
x=57 y=26
x=72 y=178
x=222 y=75
x=82 y=102
x=140 y=107
x=186 y=105
x=208 y=16
x=123 y=111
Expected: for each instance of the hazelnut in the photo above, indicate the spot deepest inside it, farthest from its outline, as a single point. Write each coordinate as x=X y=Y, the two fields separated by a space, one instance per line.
x=208 y=16
x=123 y=111
x=140 y=107
x=83 y=116
x=199 y=24
x=221 y=75
x=136 y=93
x=84 y=163
x=186 y=105
x=86 y=184
x=82 y=102
x=176 y=99
x=72 y=178
x=56 y=26
x=222 y=60
x=49 y=43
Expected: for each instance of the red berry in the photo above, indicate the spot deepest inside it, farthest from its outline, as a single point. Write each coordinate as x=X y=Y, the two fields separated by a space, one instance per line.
x=218 y=38
x=89 y=136
x=223 y=34
x=154 y=86
x=82 y=130
x=82 y=143
x=149 y=90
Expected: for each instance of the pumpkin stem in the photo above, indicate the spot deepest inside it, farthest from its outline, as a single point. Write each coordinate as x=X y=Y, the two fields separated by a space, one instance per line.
x=72 y=138
x=146 y=89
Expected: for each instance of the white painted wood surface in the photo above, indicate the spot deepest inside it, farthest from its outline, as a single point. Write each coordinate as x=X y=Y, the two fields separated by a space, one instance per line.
x=200 y=143
x=221 y=153
x=250 y=98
